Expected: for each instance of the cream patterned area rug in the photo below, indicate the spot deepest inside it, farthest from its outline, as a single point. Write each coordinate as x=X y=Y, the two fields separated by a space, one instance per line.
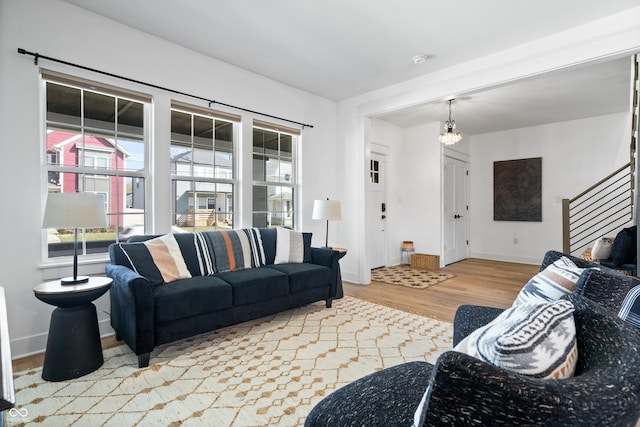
x=406 y=276
x=267 y=372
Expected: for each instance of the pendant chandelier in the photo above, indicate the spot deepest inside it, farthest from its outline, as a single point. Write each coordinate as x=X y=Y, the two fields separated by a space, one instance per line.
x=450 y=137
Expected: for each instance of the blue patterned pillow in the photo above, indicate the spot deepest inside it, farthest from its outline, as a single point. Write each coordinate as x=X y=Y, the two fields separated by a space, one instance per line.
x=538 y=340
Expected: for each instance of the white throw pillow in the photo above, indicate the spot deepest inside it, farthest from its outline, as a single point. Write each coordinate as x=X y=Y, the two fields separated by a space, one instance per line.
x=602 y=249
x=538 y=340
x=550 y=284
x=289 y=246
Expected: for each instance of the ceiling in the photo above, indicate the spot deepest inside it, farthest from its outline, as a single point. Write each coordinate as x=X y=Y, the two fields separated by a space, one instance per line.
x=576 y=93
x=338 y=49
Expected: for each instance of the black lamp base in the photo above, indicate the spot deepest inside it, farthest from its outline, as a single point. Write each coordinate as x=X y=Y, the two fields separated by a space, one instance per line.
x=74 y=280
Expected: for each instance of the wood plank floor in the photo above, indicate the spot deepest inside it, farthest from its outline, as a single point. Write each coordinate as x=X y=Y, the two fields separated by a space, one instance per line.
x=480 y=282
x=476 y=281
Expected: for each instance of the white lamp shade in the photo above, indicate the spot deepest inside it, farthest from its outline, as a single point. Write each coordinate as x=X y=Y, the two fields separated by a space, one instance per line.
x=327 y=210
x=74 y=210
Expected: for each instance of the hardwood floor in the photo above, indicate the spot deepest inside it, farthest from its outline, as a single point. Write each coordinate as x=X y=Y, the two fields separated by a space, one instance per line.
x=476 y=281
x=480 y=282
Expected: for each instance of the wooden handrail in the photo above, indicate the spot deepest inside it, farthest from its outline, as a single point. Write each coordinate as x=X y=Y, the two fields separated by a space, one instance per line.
x=597 y=210
x=603 y=180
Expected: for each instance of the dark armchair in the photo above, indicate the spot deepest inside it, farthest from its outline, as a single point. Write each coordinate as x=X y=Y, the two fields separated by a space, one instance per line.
x=466 y=391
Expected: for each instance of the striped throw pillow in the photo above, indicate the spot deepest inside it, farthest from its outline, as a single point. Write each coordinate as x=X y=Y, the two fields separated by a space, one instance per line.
x=550 y=284
x=537 y=340
x=230 y=250
x=630 y=309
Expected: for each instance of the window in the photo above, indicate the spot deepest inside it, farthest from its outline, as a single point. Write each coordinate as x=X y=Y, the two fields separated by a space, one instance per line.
x=202 y=168
x=274 y=176
x=374 y=172
x=95 y=142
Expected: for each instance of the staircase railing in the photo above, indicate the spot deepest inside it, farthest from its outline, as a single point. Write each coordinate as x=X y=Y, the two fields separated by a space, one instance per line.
x=598 y=211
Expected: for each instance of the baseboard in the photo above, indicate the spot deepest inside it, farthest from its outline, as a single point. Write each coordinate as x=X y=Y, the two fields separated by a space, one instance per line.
x=36 y=344
x=506 y=258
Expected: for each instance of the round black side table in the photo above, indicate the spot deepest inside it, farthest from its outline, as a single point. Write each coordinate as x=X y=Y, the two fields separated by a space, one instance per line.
x=73 y=344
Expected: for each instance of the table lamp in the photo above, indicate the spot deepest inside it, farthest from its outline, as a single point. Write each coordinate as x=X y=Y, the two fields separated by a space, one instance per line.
x=327 y=210
x=74 y=210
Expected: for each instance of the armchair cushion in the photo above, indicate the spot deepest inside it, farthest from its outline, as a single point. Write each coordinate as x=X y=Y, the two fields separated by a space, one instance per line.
x=538 y=340
x=552 y=283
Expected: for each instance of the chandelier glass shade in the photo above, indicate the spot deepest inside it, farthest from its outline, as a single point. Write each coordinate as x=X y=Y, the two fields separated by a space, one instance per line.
x=450 y=136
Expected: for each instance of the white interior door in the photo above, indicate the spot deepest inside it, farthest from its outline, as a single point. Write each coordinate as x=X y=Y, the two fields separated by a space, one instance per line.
x=377 y=211
x=456 y=210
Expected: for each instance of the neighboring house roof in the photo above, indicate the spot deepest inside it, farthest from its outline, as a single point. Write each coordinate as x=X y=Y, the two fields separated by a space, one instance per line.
x=202 y=158
x=59 y=139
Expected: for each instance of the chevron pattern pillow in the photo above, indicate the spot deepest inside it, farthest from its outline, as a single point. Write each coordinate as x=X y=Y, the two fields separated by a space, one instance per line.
x=538 y=340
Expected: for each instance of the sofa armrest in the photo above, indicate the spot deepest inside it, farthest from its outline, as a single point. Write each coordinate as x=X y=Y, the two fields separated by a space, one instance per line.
x=329 y=258
x=468 y=318
x=132 y=308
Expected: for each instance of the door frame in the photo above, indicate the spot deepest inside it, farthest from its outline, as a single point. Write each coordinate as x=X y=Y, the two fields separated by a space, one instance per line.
x=384 y=152
x=466 y=158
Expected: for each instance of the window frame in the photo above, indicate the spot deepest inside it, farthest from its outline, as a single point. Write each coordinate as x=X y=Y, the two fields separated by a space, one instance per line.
x=53 y=164
x=194 y=177
x=294 y=184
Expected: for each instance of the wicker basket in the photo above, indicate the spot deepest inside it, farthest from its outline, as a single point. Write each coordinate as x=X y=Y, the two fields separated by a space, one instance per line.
x=431 y=262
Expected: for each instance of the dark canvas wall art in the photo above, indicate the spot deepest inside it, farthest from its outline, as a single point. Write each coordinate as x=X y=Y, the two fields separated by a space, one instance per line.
x=517 y=190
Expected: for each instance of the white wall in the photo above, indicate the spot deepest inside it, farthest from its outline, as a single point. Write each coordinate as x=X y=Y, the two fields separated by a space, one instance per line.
x=610 y=37
x=575 y=155
x=60 y=30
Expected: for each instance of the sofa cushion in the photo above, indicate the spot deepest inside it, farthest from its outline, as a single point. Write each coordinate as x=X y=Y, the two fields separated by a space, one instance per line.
x=230 y=250
x=191 y=297
x=623 y=250
x=538 y=340
x=256 y=285
x=289 y=246
x=269 y=243
x=550 y=284
x=269 y=237
x=159 y=260
x=304 y=276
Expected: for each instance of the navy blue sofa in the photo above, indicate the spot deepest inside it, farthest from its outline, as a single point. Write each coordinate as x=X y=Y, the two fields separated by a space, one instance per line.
x=145 y=315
